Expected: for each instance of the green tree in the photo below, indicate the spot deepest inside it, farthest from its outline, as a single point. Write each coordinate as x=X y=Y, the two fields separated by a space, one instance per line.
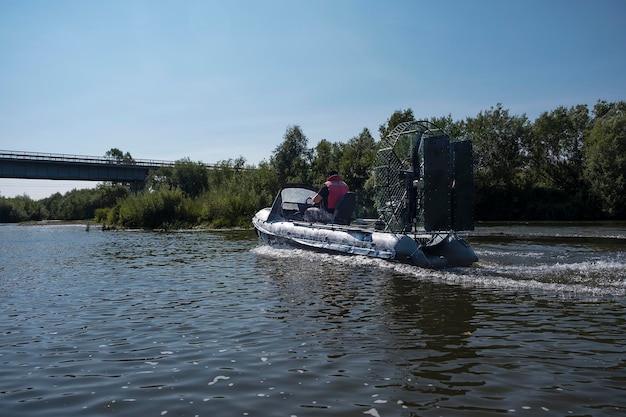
x=605 y=152
x=602 y=108
x=6 y=211
x=394 y=120
x=224 y=171
x=236 y=192
x=292 y=159
x=454 y=129
x=326 y=156
x=19 y=209
x=161 y=209
x=322 y=160
x=76 y=205
x=118 y=156
x=53 y=205
x=191 y=177
x=109 y=195
x=497 y=139
x=356 y=165
x=160 y=179
x=555 y=147
x=357 y=159
x=499 y=161
x=267 y=183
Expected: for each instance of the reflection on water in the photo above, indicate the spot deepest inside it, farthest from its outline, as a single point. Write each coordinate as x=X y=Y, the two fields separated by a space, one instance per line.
x=216 y=324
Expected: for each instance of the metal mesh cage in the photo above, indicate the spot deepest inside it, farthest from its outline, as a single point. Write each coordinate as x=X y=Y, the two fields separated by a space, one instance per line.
x=398 y=170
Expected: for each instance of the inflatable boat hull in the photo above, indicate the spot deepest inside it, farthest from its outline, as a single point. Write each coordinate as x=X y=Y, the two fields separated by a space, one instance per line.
x=429 y=251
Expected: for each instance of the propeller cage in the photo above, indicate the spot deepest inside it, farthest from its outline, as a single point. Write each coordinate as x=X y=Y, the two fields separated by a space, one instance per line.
x=424 y=180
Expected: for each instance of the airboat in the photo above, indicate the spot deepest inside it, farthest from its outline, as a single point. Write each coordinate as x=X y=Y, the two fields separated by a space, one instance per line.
x=424 y=196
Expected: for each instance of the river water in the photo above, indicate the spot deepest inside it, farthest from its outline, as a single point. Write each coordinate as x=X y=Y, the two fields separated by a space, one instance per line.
x=216 y=324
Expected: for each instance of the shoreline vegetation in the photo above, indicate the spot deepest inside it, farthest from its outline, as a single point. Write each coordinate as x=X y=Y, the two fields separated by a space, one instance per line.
x=92 y=225
x=567 y=165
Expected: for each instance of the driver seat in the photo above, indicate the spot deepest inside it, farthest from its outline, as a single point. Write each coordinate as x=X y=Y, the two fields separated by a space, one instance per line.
x=345 y=207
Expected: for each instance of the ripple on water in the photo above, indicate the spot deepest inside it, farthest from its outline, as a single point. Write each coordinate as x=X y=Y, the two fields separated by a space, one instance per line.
x=171 y=324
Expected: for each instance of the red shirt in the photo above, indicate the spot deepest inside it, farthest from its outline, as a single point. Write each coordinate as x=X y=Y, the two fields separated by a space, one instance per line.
x=332 y=191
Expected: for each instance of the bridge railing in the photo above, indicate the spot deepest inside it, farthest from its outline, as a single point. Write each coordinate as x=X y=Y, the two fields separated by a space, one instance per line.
x=80 y=159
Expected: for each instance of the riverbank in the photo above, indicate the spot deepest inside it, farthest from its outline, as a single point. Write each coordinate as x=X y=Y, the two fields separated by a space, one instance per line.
x=60 y=223
x=104 y=227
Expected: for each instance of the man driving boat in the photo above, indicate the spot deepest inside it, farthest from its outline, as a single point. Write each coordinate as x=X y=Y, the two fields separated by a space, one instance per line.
x=327 y=197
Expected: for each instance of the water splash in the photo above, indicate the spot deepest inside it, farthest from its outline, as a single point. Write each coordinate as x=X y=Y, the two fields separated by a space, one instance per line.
x=559 y=272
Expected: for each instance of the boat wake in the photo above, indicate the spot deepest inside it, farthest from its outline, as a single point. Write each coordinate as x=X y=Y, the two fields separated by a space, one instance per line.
x=574 y=275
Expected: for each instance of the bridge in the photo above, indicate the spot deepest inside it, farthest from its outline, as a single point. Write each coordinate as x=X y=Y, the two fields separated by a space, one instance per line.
x=50 y=166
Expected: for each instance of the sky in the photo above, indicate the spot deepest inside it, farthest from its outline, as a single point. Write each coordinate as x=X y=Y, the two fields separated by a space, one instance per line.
x=217 y=80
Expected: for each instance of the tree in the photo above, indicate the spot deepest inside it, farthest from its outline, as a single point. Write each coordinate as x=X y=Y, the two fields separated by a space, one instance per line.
x=291 y=159
x=191 y=177
x=555 y=147
x=19 y=209
x=605 y=152
x=356 y=166
x=603 y=108
x=497 y=138
x=454 y=129
x=266 y=182
x=396 y=118
x=108 y=195
x=357 y=160
x=160 y=209
x=322 y=155
x=326 y=156
x=160 y=179
x=119 y=157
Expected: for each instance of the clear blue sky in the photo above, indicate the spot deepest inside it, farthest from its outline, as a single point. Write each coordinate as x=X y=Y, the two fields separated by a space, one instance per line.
x=213 y=80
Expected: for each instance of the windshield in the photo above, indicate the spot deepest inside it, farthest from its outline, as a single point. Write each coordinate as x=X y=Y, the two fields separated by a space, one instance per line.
x=291 y=202
x=296 y=195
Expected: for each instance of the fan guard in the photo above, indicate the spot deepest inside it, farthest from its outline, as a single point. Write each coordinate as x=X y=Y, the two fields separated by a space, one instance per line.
x=399 y=173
